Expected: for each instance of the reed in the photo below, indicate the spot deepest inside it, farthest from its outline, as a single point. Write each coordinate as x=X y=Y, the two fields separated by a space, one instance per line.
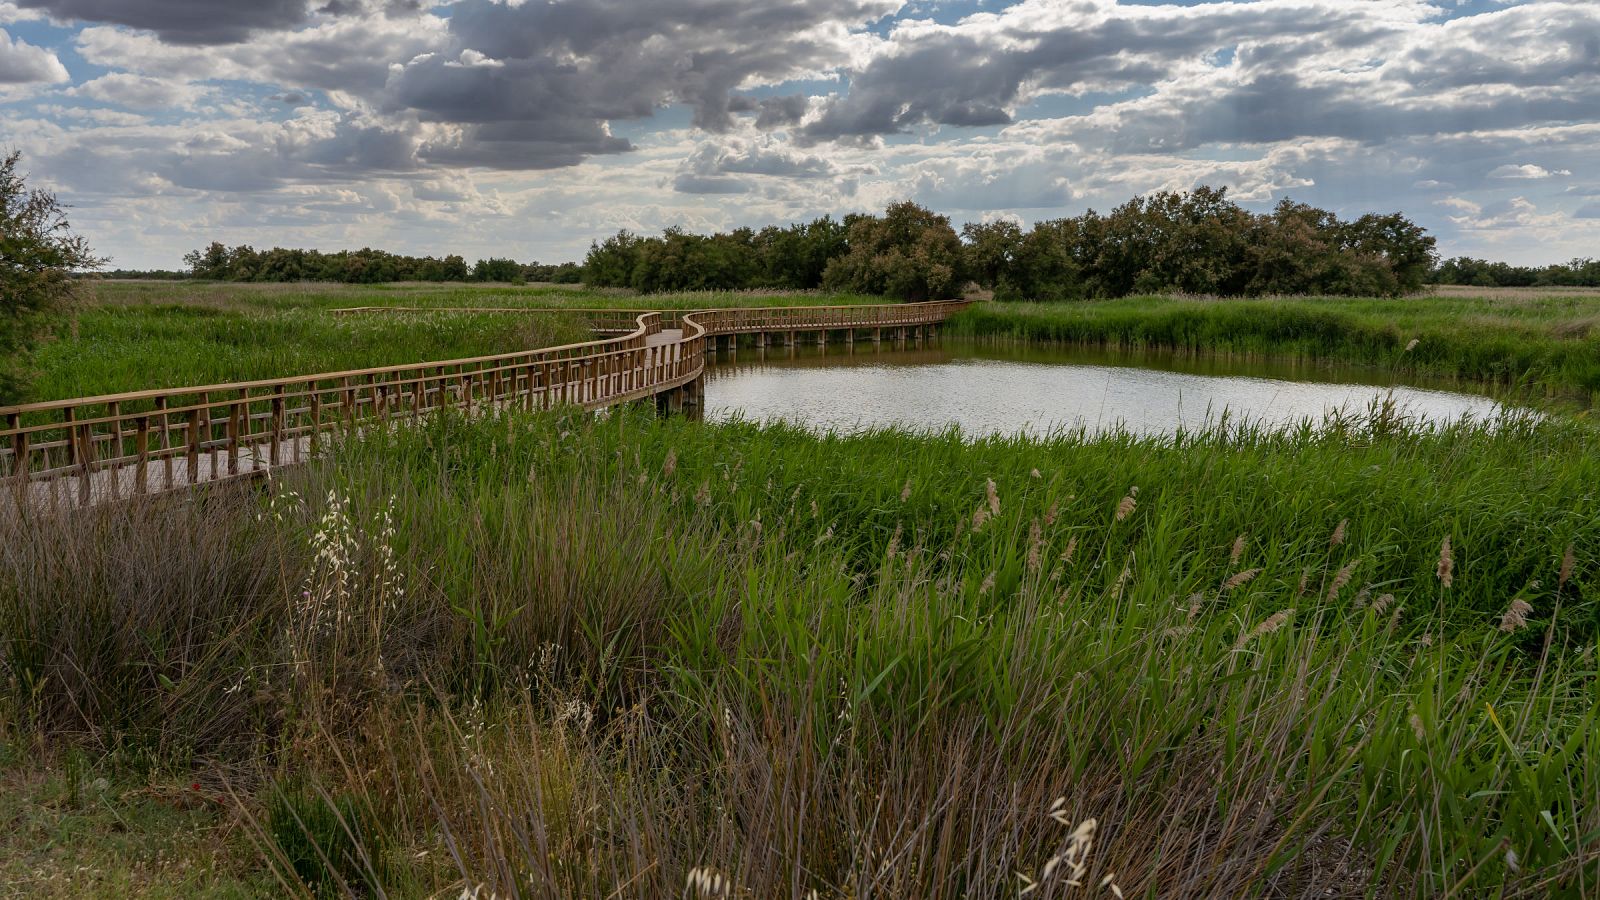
x=1530 y=344
x=568 y=655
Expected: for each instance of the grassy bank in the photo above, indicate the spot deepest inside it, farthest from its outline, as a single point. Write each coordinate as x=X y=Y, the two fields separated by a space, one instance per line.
x=133 y=335
x=1542 y=343
x=565 y=656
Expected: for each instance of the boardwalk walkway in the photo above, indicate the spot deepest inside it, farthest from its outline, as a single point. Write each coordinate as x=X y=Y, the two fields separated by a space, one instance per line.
x=84 y=451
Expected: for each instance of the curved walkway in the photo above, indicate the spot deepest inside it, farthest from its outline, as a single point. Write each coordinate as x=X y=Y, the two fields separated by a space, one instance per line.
x=84 y=451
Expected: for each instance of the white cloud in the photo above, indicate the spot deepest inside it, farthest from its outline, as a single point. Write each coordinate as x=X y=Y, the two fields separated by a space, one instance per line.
x=23 y=63
x=140 y=91
x=1526 y=172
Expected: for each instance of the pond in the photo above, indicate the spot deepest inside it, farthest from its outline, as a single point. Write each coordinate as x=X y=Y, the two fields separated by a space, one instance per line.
x=990 y=389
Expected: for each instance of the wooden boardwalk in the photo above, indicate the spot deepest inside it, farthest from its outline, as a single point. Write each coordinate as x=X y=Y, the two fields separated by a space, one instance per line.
x=79 y=452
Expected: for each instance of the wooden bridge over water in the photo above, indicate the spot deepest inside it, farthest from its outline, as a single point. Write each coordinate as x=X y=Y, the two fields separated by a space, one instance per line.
x=79 y=452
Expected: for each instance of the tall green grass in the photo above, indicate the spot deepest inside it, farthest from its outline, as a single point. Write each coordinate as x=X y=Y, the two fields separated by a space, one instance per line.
x=137 y=335
x=129 y=348
x=1545 y=344
x=567 y=655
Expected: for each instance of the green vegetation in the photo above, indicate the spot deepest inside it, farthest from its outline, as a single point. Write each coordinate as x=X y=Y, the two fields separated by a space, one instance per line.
x=130 y=336
x=1190 y=243
x=38 y=256
x=219 y=262
x=1464 y=270
x=1543 y=343
x=571 y=655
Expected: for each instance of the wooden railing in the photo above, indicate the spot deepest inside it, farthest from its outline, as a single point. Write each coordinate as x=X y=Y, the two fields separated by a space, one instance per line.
x=82 y=450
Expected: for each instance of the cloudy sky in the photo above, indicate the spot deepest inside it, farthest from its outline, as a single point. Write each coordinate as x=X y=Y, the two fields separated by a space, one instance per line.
x=528 y=127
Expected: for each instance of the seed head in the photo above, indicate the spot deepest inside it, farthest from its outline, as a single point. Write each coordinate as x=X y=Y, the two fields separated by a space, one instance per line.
x=1340 y=579
x=671 y=465
x=1447 y=563
x=1568 y=562
x=1128 y=504
x=1338 y=533
x=905 y=492
x=1240 y=579
x=1237 y=552
x=994 y=497
x=1516 y=616
x=1272 y=623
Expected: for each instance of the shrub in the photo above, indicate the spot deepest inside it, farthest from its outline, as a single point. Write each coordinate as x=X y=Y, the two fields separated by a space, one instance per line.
x=39 y=256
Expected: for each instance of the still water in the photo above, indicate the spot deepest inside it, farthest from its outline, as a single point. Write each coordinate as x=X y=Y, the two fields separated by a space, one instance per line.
x=987 y=389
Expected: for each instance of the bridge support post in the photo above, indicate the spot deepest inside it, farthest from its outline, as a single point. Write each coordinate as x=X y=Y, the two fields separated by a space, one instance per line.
x=822 y=337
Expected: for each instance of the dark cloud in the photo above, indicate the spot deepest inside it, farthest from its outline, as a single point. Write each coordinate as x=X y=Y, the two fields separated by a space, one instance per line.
x=532 y=144
x=183 y=21
x=534 y=84
x=777 y=112
x=1588 y=211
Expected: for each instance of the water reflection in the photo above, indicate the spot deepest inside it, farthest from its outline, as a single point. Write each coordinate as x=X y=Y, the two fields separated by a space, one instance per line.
x=1001 y=390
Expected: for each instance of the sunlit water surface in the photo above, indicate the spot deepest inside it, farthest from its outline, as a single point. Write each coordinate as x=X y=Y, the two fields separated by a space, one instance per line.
x=1002 y=390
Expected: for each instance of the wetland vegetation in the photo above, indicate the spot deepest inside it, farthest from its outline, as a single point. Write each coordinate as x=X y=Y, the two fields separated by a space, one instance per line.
x=558 y=654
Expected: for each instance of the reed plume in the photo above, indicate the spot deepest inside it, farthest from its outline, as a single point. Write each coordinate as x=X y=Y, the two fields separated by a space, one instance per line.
x=1269 y=625
x=1240 y=579
x=1516 y=616
x=1341 y=578
x=1128 y=504
x=1447 y=563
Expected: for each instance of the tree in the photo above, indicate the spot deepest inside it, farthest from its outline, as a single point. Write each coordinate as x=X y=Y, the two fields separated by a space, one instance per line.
x=991 y=251
x=39 y=256
x=911 y=253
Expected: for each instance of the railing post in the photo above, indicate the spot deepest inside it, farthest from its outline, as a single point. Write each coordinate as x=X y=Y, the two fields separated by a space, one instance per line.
x=166 y=439
x=233 y=438
x=19 y=447
x=141 y=446
x=316 y=418
x=113 y=469
x=194 y=450
x=86 y=464
x=274 y=453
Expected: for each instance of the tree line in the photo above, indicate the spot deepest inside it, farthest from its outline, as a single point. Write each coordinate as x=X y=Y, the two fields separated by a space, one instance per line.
x=1197 y=242
x=219 y=262
x=1465 y=270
